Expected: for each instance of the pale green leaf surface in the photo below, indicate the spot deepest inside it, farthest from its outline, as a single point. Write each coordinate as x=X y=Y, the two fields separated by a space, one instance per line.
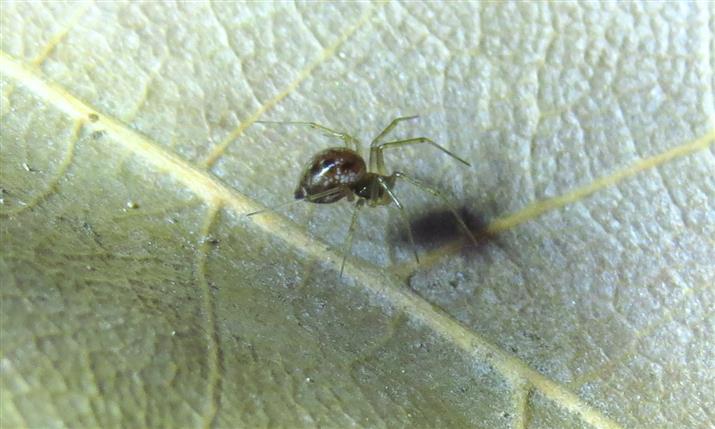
x=135 y=294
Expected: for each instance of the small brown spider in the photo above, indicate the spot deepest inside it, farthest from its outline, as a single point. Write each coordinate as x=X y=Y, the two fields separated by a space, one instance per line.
x=340 y=172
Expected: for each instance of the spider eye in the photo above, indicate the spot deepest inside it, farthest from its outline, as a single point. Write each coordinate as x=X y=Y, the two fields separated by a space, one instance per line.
x=327 y=163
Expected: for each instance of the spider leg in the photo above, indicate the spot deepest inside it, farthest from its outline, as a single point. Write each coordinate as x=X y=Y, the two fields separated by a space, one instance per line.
x=309 y=198
x=376 y=162
x=415 y=140
x=351 y=232
x=429 y=189
x=403 y=216
x=390 y=127
x=346 y=138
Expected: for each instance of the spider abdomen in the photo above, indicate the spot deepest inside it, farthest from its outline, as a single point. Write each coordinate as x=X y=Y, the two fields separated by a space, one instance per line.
x=332 y=168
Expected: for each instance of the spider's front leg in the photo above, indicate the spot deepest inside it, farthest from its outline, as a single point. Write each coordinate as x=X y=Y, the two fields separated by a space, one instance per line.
x=390 y=127
x=376 y=151
x=377 y=159
x=376 y=162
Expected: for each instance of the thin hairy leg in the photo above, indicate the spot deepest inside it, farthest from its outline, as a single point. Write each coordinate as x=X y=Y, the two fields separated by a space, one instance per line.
x=351 y=232
x=426 y=188
x=403 y=215
x=346 y=138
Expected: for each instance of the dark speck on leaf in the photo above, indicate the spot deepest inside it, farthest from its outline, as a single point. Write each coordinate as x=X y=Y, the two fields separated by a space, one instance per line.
x=96 y=135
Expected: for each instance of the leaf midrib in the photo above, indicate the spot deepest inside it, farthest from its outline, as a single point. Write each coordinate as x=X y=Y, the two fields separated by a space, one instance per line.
x=382 y=285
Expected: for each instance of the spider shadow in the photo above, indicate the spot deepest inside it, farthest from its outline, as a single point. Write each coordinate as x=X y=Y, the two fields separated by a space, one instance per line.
x=438 y=228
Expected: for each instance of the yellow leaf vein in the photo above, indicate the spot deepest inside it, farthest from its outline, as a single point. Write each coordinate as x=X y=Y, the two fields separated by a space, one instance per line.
x=382 y=285
x=327 y=53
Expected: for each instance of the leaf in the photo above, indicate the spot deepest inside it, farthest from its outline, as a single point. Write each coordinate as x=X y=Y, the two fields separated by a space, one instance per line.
x=136 y=294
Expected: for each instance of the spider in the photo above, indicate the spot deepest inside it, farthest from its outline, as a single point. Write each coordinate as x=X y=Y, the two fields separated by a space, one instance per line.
x=340 y=172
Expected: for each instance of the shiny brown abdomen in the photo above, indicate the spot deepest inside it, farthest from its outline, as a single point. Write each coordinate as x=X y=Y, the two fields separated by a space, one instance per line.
x=333 y=168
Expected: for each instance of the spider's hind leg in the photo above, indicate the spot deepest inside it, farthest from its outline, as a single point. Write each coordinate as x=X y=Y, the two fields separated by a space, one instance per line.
x=349 y=140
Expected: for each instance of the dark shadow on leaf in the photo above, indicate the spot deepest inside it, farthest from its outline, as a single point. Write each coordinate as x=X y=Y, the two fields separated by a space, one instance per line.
x=439 y=227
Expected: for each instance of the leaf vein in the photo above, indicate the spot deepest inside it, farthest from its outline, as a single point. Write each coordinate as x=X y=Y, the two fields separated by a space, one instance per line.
x=327 y=53
x=58 y=37
x=61 y=171
x=630 y=349
x=421 y=311
x=213 y=388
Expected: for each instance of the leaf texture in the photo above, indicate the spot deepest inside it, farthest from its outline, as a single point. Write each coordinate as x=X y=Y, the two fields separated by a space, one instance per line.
x=135 y=293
